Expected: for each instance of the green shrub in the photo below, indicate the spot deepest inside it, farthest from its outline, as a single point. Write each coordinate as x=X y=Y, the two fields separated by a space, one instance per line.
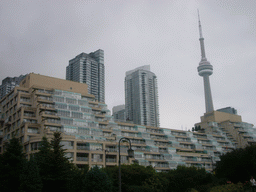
x=228 y=187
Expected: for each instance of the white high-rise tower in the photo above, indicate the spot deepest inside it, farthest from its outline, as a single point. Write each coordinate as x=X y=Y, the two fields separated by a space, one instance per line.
x=141 y=96
x=205 y=70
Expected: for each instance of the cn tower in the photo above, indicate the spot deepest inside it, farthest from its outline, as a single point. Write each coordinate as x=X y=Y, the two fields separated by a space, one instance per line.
x=205 y=70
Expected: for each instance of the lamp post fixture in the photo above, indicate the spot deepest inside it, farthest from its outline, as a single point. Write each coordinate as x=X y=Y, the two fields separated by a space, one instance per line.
x=130 y=154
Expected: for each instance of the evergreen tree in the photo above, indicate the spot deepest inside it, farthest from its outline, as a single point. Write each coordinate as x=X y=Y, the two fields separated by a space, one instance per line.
x=76 y=182
x=30 y=178
x=97 y=180
x=62 y=166
x=54 y=167
x=43 y=159
x=11 y=166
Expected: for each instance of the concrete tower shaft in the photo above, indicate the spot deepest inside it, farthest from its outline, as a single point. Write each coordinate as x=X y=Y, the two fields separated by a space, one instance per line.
x=205 y=69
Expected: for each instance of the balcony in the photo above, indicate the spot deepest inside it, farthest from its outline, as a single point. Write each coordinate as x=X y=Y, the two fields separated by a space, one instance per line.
x=82 y=159
x=155 y=157
x=162 y=166
x=158 y=137
x=81 y=147
x=96 y=160
x=163 y=150
x=111 y=149
x=155 y=131
x=110 y=160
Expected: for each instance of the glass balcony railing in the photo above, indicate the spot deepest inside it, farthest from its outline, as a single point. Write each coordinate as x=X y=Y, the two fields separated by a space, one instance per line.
x=111 y=160
x=82 y=158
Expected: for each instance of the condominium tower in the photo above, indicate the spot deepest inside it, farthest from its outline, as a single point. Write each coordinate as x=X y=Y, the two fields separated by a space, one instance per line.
x=118 y=112
x=9 y=83
x=141 y=96
x=89 y=69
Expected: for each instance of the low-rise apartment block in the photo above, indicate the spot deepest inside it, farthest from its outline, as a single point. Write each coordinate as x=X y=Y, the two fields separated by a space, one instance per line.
x=42 y=105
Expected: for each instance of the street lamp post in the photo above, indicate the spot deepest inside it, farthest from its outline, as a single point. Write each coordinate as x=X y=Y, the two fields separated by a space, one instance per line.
x=130 y=154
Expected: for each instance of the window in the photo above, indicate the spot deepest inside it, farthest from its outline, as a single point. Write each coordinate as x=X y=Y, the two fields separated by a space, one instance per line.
x=74 y=107
x=61 y=105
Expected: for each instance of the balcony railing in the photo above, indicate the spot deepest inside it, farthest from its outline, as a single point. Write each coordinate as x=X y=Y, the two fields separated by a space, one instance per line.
x=162 y=165
x=82 y=158
x=111 y=149
x=111 y=160
x=96 y=160
x=87 y=148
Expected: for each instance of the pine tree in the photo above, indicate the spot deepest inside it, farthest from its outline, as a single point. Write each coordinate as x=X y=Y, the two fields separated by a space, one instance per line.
x=30 y=178
x=54 y=167
x=62 y=166
x=43 y=159
x=97 y=181
x=11 y=165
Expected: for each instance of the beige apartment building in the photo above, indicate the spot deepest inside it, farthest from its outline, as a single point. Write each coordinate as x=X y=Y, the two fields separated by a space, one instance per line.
x=42 y=105
x=230 y=125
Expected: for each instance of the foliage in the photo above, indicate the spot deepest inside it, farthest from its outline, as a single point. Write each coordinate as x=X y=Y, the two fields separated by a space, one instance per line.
x=238 y=165
x=11 y=166
x=77 y=176
x=97 y=180
x=156 y=183
x=137 y=178
x=228 y=187
x=30 y=178
x=55 y=169
x=43 y=157
x=62 y=166
x=185 y=178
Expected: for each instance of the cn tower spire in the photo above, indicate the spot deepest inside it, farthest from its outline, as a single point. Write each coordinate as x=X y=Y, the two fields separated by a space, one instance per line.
x=205 y=70
x=201 y=39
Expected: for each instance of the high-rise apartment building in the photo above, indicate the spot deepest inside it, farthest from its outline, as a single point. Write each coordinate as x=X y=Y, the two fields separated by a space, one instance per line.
x=141 y=96
x=8 y=84
x=89 y=69
x=118 y=113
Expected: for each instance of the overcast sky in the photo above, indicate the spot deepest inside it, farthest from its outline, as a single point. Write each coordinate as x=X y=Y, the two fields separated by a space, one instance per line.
x=42 y=36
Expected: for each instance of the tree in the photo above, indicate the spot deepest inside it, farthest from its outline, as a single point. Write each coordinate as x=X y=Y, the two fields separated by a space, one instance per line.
x=158 y=182
x=185 y=178
x=43 y=159
x=133 y=177
x=11 y=166
x=54 y=167
x=30 y=178
x=97 y=180
x=62 y=166
x=237 y=165
x=77 y=177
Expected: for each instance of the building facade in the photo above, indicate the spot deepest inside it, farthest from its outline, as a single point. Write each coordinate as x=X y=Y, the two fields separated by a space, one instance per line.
x=42 y=105
x=118 y=112
x=223 y=122
x=89 y=69
x=141 y=96
x=227 y=123
x=8 y=84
